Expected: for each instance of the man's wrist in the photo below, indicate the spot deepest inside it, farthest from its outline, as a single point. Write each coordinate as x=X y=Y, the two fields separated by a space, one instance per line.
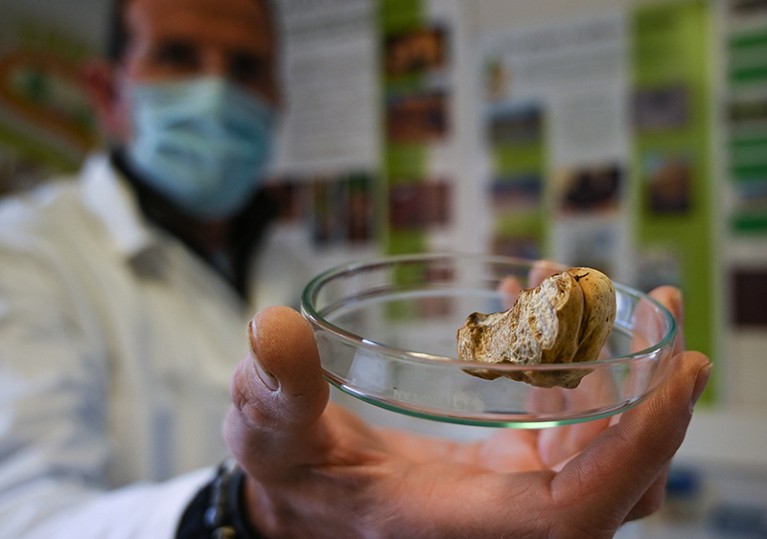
x=217 y=511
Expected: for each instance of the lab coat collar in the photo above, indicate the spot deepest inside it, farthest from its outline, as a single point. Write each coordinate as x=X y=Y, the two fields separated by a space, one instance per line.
x=108 y=196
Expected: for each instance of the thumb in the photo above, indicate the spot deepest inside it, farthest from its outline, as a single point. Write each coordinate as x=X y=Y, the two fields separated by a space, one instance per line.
x=619 y=466
x=278 y=394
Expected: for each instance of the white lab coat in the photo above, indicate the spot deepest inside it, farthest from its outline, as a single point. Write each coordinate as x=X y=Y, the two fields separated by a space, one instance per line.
x=117 y=346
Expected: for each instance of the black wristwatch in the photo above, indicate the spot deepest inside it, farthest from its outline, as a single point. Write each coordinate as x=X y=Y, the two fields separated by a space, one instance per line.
x=216 y=512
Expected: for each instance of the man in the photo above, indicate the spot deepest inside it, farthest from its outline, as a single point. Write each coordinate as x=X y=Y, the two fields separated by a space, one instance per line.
x=123 y=301
x=124 y=294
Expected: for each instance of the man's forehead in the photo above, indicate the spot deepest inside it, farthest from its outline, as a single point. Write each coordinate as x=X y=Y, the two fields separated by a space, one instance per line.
x=179 y=16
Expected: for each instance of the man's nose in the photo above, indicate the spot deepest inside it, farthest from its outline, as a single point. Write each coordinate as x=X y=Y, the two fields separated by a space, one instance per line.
x=215 y=63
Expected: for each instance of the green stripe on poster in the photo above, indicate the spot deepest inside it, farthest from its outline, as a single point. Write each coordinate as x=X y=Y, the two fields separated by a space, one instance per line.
x=671 y=49
x=405 y=164
x=748 y=40
x=519 y=158
x=750 y=171
x=745 y=223
x=750 y=75
x=748 y=143
x=400 y=15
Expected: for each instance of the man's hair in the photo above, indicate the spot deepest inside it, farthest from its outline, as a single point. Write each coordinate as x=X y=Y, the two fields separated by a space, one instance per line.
x=117 y=31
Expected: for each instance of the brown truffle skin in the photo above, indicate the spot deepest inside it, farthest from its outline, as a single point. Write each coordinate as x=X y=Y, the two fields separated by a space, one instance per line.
x=565 y=319
x=598 y=314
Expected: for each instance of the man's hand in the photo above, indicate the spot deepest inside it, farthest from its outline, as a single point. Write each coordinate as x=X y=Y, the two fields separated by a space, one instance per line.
x=316 y=470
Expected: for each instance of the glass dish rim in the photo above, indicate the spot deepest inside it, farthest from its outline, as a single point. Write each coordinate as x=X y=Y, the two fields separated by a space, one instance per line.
x=311 y=314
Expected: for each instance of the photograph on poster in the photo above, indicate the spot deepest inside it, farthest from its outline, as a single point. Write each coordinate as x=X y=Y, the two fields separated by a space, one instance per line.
x=658 y=265
x=515 y=123
x=521 y=246
x=749 y=288
x=289 y=195
x=516 y=193
x=338 y=210
x=419 y=205
x=417 y=117
x=660 y=109
x=361 y=208
x=342 y=210
x=328 y=225
x=749 y=112
x=582 y=242
x=589 y=189
x=749 y=205
x=748 y=7
x=415 y=52
x=46 y=91
x=667 y=183
x=47 y=125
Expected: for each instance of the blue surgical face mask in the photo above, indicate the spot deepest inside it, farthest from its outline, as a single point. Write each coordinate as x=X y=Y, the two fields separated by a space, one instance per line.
x=203 y=143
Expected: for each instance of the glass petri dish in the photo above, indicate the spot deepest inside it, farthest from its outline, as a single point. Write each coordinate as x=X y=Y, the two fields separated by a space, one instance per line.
x=386 y=334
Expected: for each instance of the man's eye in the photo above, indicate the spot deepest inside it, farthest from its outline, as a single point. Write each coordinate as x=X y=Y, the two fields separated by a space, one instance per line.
x=246 y=68
x=177 y=56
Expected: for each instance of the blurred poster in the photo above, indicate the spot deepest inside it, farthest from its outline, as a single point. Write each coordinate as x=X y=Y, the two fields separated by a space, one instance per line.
x=336 y=210
x=597 y=132
x=743 y=145
x=46 y=125
x=331 y=82
x=326 y=179
x=555 y=110
x=745 y=53
x=421 y=155
x=515 y=138
x=672 y=160
x=591 y=228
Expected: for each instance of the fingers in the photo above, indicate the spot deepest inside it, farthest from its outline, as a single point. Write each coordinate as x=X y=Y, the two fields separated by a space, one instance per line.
x=557 y=445
x=652 y=499
x=511 y=286
x=671 y=298
x=618 y=468
x=541 y=270
x=278 y=394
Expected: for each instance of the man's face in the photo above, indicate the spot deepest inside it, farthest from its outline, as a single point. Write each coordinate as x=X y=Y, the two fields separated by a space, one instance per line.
x=176 y=39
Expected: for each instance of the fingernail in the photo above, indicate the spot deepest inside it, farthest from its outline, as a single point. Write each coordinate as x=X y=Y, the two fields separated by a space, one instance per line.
x=700 y=382
x=269 y=380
